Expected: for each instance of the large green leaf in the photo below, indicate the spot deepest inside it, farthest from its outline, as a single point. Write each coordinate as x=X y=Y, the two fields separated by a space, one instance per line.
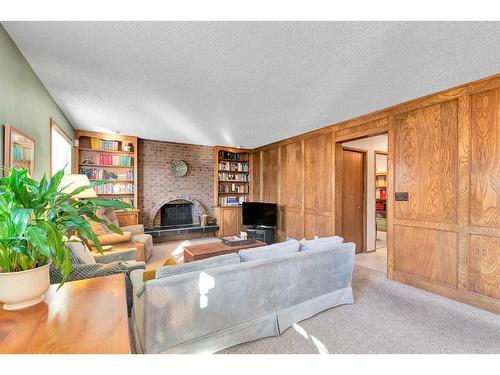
x=21 y=217
x=37 y=237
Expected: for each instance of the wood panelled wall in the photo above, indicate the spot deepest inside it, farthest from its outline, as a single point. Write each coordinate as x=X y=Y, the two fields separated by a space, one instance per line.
x=444 y=150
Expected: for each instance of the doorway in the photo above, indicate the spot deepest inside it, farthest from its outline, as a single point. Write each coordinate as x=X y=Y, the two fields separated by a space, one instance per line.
x=363 y=197
x=354 y=197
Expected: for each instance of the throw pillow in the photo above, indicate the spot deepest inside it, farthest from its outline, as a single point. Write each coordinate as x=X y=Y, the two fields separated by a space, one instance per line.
x=269 y=252
x=80 y=251
x=110 y=216
x=321 y=243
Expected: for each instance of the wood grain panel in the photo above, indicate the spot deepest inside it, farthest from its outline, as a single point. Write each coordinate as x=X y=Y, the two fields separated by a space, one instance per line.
x=318 y=172
x=317 y=225
x=485 y=159
x=426 y=163
x=426 y=253
x=270 y=175
x=291 y=175
x=293 y=224
x=484 y=266
x=370 y=129
x=255 y=177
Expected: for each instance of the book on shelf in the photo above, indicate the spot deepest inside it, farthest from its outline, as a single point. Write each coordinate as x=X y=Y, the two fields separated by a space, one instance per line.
x=106 y=159
x=108 y=188
x=230 y=155
x=229 y=177
x=100 y=144
x=233 y=188
x=232 y=201
x=129 y=200
x=102 y=174
x=233 y=167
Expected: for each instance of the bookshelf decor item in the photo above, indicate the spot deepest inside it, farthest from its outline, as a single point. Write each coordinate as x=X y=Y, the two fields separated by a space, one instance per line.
x=19 y=150
x=179 y=168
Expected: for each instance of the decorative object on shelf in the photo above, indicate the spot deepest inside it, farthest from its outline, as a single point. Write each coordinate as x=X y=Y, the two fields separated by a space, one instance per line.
x=19 y=150
x=38 y=220
x=203 y=220
x=127 y=147
x=179 y=168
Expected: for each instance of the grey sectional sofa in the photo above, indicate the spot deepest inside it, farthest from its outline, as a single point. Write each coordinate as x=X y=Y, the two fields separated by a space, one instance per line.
x=209 y=305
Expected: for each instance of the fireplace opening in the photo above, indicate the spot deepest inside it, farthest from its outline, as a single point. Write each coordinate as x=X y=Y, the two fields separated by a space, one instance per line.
x=177 y=212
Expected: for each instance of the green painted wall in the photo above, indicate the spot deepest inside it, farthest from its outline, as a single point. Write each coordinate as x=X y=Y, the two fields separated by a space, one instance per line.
x=26 y=104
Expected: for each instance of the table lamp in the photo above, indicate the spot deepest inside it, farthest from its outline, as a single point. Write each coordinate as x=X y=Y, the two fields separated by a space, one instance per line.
x=70 y=182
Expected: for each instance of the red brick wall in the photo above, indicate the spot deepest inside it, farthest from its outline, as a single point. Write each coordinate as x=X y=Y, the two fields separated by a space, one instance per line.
x=156 y=182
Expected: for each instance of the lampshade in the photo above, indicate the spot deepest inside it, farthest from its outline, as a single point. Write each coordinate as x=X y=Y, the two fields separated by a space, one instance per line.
x=70 y=182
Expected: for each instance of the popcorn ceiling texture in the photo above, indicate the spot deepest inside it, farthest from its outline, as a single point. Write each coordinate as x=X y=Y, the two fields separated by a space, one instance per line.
x=157 y=185
x=246 y=83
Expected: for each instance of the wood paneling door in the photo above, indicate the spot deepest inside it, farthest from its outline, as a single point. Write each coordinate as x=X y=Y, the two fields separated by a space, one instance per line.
x=353 y=197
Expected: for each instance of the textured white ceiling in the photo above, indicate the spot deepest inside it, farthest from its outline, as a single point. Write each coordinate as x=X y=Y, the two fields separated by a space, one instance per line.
x=246 y=83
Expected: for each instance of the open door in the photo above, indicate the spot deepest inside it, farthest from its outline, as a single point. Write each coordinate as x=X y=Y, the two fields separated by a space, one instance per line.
x=354 y=197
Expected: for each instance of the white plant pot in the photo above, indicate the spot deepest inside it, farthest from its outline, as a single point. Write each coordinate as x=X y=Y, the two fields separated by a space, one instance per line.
x=25 y=288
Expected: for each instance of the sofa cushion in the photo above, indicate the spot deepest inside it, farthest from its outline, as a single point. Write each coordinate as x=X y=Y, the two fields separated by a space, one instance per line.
x=198 y=265
x=80 y=251
x=112 y=238
x=269 y=252
x=323 y=243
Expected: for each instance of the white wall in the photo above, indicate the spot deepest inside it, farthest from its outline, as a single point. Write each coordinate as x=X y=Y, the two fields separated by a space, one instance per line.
x=372 y=144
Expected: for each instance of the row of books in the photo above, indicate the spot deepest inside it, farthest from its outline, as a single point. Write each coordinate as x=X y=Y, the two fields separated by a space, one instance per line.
x=109 y=188
x=21 y=153
x=102 y=174
x=230 y=155
x=99 y=144
x=129 y=200
x=223 y=176
x=232 y=201
x=233 y=188
x=233 y=167
x=107 y=159
x=381 y=194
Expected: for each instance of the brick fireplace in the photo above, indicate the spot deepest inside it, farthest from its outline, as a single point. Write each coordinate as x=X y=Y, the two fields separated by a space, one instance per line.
x=157 y=186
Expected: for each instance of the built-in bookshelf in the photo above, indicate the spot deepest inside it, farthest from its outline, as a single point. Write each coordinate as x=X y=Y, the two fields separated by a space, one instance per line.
x=109 y=158
x=231 y=176
x=381 y=200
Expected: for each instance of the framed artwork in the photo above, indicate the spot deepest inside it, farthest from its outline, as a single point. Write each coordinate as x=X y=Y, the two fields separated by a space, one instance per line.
x=19 y=150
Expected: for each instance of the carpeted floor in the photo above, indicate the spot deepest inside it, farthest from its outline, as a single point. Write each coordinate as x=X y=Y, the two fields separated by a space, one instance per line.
x=387 y=317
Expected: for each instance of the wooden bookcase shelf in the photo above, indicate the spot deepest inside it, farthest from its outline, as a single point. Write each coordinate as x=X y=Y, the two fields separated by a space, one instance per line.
x=231 y=176
x=110 y=158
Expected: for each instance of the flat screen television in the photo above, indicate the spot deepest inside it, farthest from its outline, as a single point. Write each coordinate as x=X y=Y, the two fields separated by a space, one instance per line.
x=259 y=214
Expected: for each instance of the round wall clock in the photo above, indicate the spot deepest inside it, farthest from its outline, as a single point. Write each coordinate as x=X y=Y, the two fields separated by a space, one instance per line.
x=179 y=168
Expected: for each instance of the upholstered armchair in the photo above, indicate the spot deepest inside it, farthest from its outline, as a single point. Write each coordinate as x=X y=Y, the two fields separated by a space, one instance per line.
x=131 y=233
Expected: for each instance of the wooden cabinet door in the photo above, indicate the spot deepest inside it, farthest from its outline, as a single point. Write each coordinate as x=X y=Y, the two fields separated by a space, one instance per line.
x=353 y=197
x=229 y=221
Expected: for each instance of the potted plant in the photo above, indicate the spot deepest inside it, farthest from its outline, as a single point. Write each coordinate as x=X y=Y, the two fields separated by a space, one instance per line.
x=37 y=220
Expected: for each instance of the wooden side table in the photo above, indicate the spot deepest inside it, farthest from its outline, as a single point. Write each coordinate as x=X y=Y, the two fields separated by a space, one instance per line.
x=83 y=317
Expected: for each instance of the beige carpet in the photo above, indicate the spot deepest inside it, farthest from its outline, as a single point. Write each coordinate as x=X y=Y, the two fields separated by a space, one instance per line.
x=387 y=317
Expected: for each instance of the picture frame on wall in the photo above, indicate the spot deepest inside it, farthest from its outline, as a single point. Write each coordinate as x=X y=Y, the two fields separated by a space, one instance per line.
x=19 y=150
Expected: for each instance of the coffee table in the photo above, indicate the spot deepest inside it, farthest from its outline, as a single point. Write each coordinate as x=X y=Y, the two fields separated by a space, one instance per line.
x=208 y=250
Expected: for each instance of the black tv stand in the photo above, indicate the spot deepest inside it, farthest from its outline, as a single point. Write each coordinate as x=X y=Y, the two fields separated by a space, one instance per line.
x=261 y=233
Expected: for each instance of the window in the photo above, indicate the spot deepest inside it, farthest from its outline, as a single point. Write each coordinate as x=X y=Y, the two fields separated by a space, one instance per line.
x=60 y=149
